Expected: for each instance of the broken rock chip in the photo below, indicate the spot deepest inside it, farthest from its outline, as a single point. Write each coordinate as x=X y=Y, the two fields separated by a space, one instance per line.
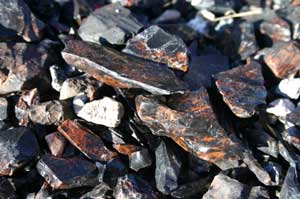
x=291 y=186
x=167 y=169
x=56 y=143
x=281 y=107
x=112 y=23
x=283 y=59
x=18 y=147
x=289 y=87
x=61 y=173
x=3 y=108
x=190 y=121
x=71 y=87
x=157 y=45
x=132 y=186
x=242 y=88
x=16 y=19
x=107 y=112
x=293 y=117
x=86 y=141
x=121 y=70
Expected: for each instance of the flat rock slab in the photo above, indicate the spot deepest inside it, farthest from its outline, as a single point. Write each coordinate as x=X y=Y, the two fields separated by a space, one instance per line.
x=190 y=121
x=86 y=141
x=112 y=23
x=61 y=173
x=283 y=59
x=242 y=88
x=16 y=19
x=157 y=45
x=120 y=69
x=18 y=147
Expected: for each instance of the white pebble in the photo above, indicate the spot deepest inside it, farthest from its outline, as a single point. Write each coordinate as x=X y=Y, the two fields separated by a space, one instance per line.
x=289 y=88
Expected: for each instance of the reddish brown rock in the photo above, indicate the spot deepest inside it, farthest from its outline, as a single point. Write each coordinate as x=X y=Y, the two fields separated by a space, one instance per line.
x=126 y=149
x=86 y=141
x=120 y=69
x=190 y=121
x=157 y=45
x=242 y=88
x=56 y=143
x=277 y=29
x=283 y=59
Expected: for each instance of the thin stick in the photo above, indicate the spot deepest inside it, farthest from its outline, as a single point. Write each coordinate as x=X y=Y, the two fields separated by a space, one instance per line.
x=241 y=14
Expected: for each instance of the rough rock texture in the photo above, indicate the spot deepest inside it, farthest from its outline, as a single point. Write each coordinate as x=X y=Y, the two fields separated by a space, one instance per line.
x=291 y=186
x=132 y=186
x=112 y=23
x=18 y=147
x=283 y=59
x=242 y=88
x=71 y=87
x=140 y=159
x=56 y=143
x=121 y=70
x=61 y=173
x=16 y=19
x=157 y=45
x=107 y=112
x=3 y=108
x=86 y=141
x=281 y=107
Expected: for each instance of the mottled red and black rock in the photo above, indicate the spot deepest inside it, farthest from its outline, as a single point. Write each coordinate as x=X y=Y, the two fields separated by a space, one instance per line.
x=242 y=88
x=167 y=168
x=157 y=45
x=86 y=141
x=19 y=146
x=61 y=173
x=121 y=70
x=56 y=143
x=291 y=186
x=276 y=28
x=21 y=65
x=132 y=186
x=283 y=59
x=6 y=189
x=190 y=121
x=112 y=23
x=16 y=19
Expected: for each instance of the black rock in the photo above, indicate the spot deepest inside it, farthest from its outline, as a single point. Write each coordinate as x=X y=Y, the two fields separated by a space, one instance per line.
x=167 y=168
x=112 y=23
x=19 y=146
x=61 y=173
x=7 y=191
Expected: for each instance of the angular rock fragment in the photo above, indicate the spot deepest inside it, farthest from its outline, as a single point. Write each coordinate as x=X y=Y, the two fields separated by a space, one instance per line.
x=132 y=186
x=58 y=76
x=7 y=191
x=86 y=141
x=157 y=45
x=292 y=136
x=242 y=88
x=277 y=29
x=21 y=65
x=259 y=192
x=3 y=108
x=71 y=87
x=283 y=59
x=112 y=23
x=97 y=192
x=18 y=147
x=107 y=112
x=190 y=121
x=293 y=117
x=289 y=88
x=48 y=113
x=16 y=19
x=225 y=187
x=198 y=24
x=292 y=14
x=121 y=70
x=291 y=186
x=61 y=173
x=79 y=101
x=56 y=143
x=281 y=107
x=167 y=169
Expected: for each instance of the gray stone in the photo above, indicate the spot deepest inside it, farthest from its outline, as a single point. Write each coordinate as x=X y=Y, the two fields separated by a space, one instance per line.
x=3 y=108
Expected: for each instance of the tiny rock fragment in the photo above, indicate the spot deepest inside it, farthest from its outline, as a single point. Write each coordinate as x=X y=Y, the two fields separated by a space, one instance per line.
x=58 y=76
x=112 y=23
x=71 y=87
x=225 y=187
x=292 y=136
x=79 y=101
x=16 y=19
x=140 y=159
x=19 y=146
x=199 y=24
x=157 y=45
x=277 y=29
x=3 y=108
x=7 y=191
x=259 y=192
x=56 y=143
x=48 y=113
x=283 y=59
x=98 y=192
x=107 y=112
x=21 y=65
x=61 y=173
x=293 y=117
x=126 y=149
x=167 y=169
x=132 y=186
x=242 y=88
x=291 y=186
x=289 y=88
x=281 y=107
x=121 y=70
x=86 y=141
x=274 y=170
